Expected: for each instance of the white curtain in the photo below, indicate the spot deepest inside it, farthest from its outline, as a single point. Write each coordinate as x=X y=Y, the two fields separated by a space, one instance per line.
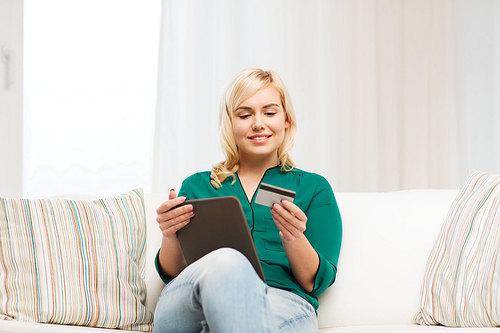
x=477 y=60
x=389 y=94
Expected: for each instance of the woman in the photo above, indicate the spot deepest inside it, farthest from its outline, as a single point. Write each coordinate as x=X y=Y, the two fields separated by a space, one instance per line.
x=298 y=243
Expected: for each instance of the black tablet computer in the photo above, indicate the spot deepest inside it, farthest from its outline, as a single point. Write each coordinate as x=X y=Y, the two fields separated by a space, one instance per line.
x=217 y=222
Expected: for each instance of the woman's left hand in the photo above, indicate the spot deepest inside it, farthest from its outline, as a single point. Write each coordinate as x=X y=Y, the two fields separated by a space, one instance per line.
x=303 y=259
x=290 y=220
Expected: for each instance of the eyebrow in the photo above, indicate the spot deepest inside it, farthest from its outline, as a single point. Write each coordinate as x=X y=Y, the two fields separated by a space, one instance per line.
x=267 y=106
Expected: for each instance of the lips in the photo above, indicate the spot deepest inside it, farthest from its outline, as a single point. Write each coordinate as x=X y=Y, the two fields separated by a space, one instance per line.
x=259 y=138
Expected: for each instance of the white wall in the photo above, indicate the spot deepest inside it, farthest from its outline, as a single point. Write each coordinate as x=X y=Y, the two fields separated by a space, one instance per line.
x=11 y=97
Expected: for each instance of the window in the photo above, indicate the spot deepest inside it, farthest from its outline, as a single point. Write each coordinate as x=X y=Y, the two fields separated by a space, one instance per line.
x=90 y=73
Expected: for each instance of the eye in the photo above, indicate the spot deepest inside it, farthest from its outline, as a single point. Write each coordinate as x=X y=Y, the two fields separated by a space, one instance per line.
x=244 y=116
x=270 y=113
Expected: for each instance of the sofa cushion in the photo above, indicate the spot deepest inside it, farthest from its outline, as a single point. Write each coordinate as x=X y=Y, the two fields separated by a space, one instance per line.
x=400 y=329
x=462 y=280
x=386 y=241
x=15 y=326
x=74 y=262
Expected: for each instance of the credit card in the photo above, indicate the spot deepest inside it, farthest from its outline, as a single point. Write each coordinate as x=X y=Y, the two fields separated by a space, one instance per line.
x=270 y=194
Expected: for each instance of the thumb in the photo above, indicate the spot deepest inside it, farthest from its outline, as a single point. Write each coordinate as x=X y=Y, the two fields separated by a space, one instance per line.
x=172 y=194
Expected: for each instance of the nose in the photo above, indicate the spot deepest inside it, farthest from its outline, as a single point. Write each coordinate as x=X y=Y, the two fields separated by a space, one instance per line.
x=257 y=127
x=258 y=124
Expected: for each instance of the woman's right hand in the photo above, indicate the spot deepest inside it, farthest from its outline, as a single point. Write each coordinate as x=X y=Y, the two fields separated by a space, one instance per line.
x=171 y=218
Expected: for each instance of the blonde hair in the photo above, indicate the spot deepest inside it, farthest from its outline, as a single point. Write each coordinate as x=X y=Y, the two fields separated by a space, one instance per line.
x=244 y=85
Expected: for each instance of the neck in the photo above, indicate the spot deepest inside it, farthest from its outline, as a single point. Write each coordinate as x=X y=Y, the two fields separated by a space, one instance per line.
x=256 y=167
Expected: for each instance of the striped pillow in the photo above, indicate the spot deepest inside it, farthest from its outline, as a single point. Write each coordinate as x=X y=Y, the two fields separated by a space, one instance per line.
x=74 y=262
x=462 y=280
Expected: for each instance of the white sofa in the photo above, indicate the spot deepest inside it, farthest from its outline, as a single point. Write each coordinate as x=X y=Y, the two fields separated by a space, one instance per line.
x=387 y=240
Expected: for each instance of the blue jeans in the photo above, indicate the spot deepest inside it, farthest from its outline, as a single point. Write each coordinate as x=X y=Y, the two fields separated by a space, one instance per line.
x=222 y=293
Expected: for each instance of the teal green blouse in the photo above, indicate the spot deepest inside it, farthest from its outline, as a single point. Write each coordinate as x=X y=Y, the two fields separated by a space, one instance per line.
x=314 y=196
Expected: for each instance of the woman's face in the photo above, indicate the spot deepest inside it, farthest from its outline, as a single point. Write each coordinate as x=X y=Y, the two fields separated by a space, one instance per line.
x=259 y=125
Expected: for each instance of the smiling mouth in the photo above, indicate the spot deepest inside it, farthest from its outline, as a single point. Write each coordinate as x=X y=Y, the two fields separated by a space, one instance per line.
x=260 y=137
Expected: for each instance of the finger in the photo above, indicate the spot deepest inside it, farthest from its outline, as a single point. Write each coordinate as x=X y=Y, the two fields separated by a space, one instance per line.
x=295 y=228
x=282 y=225
x=285 y=234
x=172 y=194
x=288 y=217
x=294 y=210
x=176 y=215
x=169 y=204
x=174 y=222
x=292 y=224
x=172 y=230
